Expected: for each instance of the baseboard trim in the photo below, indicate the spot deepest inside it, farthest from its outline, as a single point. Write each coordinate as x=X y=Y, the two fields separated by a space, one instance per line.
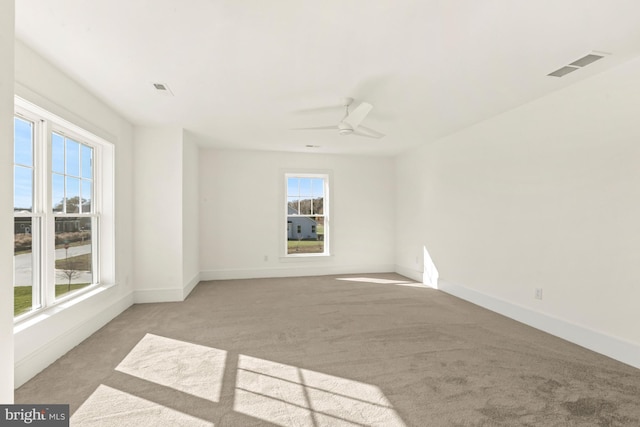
x=409 y=273
x=190 y=286
x=145 y=296
x=33 y=363
x=231 y=274
x=613 y=347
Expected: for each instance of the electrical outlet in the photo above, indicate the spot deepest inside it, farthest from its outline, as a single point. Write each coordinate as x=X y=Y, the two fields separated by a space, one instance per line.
x=538 y=293
x=266 y=258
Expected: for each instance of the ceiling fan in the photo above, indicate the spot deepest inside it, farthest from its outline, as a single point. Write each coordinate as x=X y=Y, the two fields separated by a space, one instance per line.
x=350 y=123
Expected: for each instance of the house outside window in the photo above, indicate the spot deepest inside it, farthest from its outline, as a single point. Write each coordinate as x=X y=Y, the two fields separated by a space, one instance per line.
x=61 y=191
x=307 y=214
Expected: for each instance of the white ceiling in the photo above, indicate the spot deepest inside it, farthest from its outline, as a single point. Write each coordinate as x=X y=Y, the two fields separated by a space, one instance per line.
x=241 y=70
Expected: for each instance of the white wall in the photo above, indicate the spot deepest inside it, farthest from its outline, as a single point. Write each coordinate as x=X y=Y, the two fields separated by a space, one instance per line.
x=158 y=214
x=44 y=338
x=543 y=196
x=6 y=200
x=166 y=213
x=242 y=214
x=190 y=214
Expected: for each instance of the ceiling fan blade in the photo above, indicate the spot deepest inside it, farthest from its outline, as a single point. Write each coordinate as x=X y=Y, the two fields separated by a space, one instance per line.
x=358 y=114
x=333 y=127
x=368 y=132
x=315 y=110
x=363 y=134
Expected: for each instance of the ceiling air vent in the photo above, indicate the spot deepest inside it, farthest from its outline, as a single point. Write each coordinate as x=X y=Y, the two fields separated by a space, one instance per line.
x=586 y=60
x=163 y=89
x=577 y=64
x=563 y=71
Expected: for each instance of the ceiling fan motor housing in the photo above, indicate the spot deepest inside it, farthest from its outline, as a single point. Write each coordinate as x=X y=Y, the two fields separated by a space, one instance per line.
x=344 y=128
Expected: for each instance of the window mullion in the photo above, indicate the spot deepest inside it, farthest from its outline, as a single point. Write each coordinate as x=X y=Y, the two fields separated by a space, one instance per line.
x=39 y=235
x=37 y=262
x=48 y=241
x=95 y=252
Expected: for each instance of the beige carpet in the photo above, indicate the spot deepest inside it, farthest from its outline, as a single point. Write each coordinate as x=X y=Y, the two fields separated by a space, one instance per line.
x=331 y=351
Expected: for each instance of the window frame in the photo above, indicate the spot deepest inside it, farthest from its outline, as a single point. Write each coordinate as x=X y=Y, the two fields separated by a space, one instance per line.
x=326 y=177
x=36 y=214
x=102 y=202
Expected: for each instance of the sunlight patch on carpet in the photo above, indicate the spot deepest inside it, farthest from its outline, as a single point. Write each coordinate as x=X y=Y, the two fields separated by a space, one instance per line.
x=183 y=366
x=108 y=406
x=289 y=396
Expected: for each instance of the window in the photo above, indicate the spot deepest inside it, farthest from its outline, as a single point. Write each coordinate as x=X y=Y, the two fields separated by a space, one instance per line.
x=59 y=198
x=307 y=216
x=74 y=217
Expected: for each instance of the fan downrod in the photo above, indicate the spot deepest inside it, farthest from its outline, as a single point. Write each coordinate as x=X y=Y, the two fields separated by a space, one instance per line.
x=346 y=101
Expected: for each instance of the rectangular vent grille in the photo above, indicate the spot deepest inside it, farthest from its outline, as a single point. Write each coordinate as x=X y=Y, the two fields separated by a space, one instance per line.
x=576 y=65
x=586 y=60
x=163 y=88
x=563 y=71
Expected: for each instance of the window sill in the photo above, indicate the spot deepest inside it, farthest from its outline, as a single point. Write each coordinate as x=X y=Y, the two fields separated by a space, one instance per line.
x=304 y=257
x=46 y=313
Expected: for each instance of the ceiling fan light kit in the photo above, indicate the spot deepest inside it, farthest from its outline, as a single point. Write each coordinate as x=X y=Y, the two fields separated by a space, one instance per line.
x=344 y=129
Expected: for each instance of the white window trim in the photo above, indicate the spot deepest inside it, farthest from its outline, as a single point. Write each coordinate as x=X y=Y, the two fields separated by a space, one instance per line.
x=328 y=183
x=103 y=198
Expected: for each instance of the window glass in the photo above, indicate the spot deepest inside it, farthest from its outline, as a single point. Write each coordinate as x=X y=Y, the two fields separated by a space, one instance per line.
x=87 y=196
x=57 y=192
x=292 y=187
x=23 y=263
x=57 y=153
x=87 y=156
x=73 y=254
x=72 y=189
x=23 y=142
x=72 y=195
x=22 y=189
x=305 y=188
x=293 y=205
x=72 y=156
